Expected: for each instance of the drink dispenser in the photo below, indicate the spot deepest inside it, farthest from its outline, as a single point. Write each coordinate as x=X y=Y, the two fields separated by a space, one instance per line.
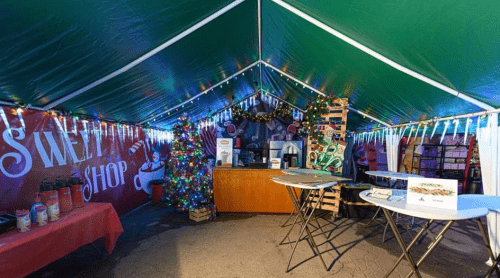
x=64 y=191
x=48 y=192
x=291 y=157
x=76 y=192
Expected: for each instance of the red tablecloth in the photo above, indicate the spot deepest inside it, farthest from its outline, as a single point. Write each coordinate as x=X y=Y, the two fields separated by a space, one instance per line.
x=23 y=253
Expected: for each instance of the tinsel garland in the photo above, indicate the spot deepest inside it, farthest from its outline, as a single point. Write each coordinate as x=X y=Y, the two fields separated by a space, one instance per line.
x=282 y=110
x=315 y=109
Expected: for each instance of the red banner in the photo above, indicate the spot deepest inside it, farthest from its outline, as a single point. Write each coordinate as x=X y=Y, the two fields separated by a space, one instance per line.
x=115 y=162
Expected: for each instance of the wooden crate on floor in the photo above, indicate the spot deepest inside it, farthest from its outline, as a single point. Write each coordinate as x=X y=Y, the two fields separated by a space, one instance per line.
x=330 y=201
x=202 y=214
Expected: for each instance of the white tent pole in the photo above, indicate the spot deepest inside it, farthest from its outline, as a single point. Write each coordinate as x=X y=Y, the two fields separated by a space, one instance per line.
x=368 y=116
x=29 y=106
x=293 y=78
x=319 y=92
x=382 y=58
x=259 y=15
x=203 y=92
x=147 y=55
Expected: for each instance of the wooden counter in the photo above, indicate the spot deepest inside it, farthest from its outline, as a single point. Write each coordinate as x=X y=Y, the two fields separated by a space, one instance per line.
x=250 y=190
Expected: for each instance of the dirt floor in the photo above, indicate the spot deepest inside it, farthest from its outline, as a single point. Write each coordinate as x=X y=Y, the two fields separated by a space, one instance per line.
x=159 y=242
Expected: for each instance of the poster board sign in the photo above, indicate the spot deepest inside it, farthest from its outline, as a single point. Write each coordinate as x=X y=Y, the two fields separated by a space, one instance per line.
x=225 y=152
x=438 y=193
x=275 y=163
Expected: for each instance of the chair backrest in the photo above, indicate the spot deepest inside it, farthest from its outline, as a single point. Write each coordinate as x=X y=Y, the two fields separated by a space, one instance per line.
x=331 y=200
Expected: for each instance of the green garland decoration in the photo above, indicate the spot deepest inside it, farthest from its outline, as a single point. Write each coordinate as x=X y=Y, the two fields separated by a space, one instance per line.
x=315 y=110
x=282 y=110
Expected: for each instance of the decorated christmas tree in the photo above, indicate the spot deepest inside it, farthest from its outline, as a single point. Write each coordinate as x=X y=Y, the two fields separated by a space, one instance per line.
x=189 y=181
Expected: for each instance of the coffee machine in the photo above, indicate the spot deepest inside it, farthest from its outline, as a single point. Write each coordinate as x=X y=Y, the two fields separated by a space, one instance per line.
x=290 y=153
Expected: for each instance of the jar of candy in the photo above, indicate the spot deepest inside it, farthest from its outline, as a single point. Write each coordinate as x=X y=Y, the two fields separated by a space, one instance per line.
x=23 y=220
x=53 y=210
x=41 y=215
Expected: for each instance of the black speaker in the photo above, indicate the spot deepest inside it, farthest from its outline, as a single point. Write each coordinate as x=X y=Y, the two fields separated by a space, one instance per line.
x=361 y=176
x=474 y=187
x=474 y=181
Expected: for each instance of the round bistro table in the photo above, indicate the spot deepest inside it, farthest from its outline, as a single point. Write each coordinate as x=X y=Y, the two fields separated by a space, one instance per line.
x=313 y=185
x=467 y=209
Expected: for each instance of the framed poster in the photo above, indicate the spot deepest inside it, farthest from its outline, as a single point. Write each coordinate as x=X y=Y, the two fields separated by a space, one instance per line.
x=439 y=193
x=224 y=152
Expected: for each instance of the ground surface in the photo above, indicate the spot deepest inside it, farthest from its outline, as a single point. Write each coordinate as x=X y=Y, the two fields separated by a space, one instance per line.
x=159 y=242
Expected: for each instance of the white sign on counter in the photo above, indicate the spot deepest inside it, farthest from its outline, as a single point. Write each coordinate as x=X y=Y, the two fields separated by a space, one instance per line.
x=275 y=163
x=439 y=193
x=225 y=152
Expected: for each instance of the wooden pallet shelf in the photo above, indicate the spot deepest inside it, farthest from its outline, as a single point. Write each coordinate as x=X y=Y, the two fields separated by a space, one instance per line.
x=337 y=115
x=330 y=201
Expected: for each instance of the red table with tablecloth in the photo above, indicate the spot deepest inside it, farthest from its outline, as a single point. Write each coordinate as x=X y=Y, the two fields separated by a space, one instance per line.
x=23 y=253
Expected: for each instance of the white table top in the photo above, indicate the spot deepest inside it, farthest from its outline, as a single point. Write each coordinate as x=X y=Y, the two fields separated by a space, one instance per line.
x=393 y=175
x=305 y=181
x=305 y=171
x=467 y=208
x=487 y=201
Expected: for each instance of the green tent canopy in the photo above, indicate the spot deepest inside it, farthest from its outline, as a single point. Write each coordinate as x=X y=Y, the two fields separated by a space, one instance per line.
x=148 y=62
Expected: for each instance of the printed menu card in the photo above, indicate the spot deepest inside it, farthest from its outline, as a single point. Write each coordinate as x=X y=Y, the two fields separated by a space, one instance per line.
x=439 y=193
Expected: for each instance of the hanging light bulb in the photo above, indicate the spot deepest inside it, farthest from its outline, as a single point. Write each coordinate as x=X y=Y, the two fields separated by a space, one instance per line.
x=4 y=118
x=444 y=131
x=423 y=135
x=416 y=132
x=409 y=136
x=20 y=116
x=467 y=123
x=456 y=127
x=434 y=130
x=75 y=126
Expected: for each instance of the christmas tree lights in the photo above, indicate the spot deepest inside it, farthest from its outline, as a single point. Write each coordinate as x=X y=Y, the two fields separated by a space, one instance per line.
x=189 y=184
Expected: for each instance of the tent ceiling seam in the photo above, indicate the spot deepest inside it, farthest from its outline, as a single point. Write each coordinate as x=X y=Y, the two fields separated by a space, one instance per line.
x=293 y=78
x=145 y=56
x=319 y=92
x=203 y=92
x=380 y=57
